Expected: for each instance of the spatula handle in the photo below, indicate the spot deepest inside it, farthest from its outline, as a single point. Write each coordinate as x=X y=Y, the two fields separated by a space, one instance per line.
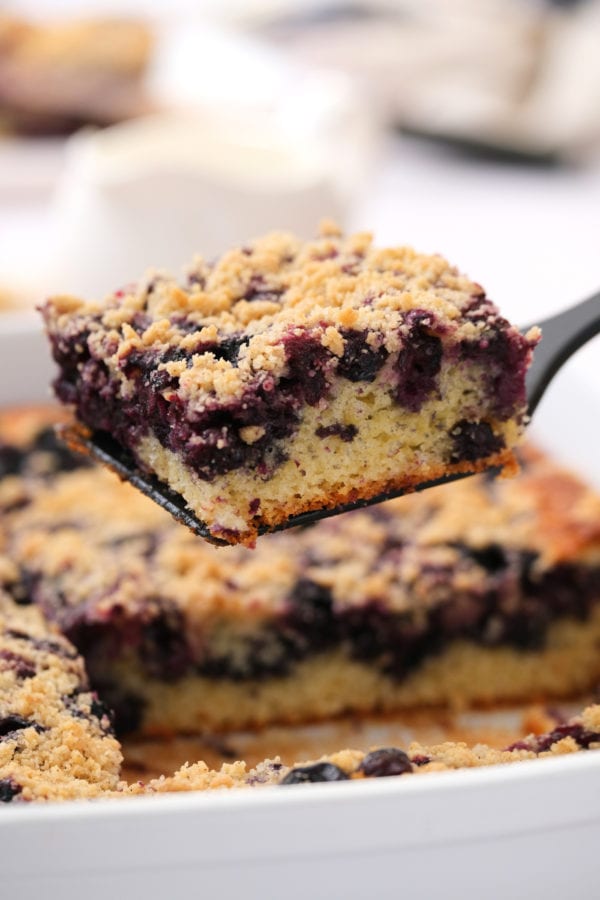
x=562 y=335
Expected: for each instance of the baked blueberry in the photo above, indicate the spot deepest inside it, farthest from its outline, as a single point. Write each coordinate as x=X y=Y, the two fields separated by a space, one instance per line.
x=385 y=761
x=322 y=771
x=9 y=789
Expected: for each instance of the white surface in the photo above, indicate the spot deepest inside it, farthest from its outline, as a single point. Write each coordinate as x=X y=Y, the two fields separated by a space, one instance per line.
x=29 y=168
x=530 y=236
x=527 y=831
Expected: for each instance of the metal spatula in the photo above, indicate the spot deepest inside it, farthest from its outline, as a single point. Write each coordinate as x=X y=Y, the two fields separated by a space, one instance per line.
x=562 y=335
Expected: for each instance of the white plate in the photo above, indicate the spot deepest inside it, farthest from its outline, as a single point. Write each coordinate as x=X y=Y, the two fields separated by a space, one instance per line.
x=530 y=830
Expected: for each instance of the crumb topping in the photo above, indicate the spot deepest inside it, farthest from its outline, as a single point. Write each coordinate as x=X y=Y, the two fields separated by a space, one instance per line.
x=56 y=739
x=264 y=293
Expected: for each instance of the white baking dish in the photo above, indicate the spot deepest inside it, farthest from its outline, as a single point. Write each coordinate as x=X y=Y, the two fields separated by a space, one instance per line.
x=528 y=831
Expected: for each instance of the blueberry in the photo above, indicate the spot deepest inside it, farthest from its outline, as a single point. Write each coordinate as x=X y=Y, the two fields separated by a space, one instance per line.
x=307 y=362
x=45 y=645
x=9 y=789
x=360 y=362
x=128 y=709
x=163 y=647
x=101 y=711
x=12 y=723
x=492 y=558
x=311 y=617
x=141 y=320
x=503 y=356
x=229 y=348
x=575 y=731
x=323 y=771
x=11 y=460
x=474 y=440
x=195 y=278
x=346 y=433
x=386 y=761
x=21 y=666
x=418 y=364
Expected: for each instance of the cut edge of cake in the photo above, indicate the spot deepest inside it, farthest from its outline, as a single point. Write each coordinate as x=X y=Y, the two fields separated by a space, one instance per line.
x=292 y=376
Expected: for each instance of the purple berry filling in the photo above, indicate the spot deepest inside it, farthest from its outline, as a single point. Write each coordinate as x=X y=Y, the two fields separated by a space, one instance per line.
x=503 y=356
x=418 y=363
x=23 y=590
x=346 y=433
x=258 y=290
x=11 y=460
x=158 y=642
x=474 y=440
x=309 y=364
x=211 y=444
x=396 y=643
x=43 y=644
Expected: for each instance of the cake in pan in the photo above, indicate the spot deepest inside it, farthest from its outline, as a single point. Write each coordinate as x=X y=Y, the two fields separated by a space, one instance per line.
x=56 y=740
x=58 y=76
x=291 y=376
x=469 y=594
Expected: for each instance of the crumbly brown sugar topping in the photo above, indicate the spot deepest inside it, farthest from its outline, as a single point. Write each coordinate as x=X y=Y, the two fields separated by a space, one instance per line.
x=265 y=290
x=56 y=740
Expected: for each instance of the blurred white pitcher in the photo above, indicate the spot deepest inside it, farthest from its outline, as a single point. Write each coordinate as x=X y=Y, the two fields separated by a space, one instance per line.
x=223 y=167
